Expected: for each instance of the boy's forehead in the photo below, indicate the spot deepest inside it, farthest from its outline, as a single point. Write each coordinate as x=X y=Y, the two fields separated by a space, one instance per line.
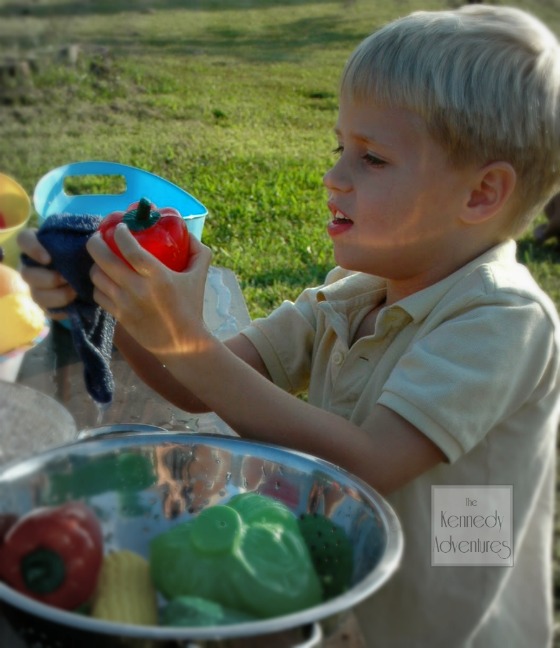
x=372 y=120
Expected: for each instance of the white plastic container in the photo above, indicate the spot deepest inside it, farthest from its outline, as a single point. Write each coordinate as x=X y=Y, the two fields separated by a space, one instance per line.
x=10 y=362
x=10 y=365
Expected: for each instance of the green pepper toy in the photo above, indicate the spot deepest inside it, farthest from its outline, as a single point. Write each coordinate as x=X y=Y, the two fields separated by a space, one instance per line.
x=193 y=611
x=246 y=556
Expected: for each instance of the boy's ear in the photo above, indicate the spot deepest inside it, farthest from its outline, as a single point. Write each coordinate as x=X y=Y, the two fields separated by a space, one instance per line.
x=494 y=184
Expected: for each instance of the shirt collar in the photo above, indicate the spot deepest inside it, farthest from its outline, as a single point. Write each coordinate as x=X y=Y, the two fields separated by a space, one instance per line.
x=420 y=304
x=348 y=284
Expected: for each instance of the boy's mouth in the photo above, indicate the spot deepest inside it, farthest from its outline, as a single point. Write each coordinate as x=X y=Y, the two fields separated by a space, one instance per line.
x=339 y=217
x=339 y=223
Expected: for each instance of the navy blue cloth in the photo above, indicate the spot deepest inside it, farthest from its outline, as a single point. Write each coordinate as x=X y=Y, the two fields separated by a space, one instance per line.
x=65 y=237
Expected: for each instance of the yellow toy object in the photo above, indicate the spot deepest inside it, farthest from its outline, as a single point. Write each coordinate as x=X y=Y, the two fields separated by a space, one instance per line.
x=22 y=321
x=125 y=593
x=15 y=210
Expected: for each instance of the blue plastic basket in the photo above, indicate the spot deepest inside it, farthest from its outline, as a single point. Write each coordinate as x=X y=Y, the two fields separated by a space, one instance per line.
x=50 y=196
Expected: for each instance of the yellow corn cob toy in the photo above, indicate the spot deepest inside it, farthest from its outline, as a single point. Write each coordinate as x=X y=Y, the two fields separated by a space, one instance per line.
x=125 y=593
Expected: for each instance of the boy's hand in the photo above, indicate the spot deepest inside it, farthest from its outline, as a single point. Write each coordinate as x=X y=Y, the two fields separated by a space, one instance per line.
x=161 y=309
x=48 y=287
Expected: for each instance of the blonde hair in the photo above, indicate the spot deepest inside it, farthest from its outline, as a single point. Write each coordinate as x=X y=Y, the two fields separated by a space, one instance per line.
x=486 y=81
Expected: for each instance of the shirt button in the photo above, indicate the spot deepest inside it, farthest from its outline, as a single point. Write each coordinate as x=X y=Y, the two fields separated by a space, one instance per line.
x=337 y=358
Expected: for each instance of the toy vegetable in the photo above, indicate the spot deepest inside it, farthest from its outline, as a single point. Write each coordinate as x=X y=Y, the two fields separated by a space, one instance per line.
x=161 y=232
x=193 y=611
x=331 y=552
x=22 y=319
x=54 y=555
x=7 y=521
x=125 y=593
x=256 y=565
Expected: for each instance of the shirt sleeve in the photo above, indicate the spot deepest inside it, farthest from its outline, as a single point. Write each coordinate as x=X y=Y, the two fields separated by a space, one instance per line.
x=284 y=340
x=473 y=371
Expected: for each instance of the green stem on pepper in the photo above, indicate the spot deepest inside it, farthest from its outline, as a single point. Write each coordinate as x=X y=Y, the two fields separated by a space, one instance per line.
x=142 y=217
x=144 y=209
x=43 y=571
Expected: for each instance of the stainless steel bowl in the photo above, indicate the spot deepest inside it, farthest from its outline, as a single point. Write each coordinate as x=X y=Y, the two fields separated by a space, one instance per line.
x=141 y=480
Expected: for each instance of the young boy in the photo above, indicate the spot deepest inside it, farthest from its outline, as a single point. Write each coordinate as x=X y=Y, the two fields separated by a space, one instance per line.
x=430 y=356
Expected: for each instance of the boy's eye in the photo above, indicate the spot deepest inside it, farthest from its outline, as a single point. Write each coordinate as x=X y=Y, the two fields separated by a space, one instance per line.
x=369 y=158
x=373 y=160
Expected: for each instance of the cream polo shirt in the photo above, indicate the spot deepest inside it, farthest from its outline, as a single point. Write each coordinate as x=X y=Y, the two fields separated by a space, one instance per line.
x=473 y=363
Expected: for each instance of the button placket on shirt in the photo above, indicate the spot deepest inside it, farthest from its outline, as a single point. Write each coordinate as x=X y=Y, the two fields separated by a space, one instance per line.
x=339 y=325
x=337 y=360
x=366 y=353
x=351 y=377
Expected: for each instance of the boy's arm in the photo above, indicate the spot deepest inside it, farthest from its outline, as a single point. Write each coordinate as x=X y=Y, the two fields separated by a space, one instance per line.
x=163 y=311
x=391 y=453
x=155 y=375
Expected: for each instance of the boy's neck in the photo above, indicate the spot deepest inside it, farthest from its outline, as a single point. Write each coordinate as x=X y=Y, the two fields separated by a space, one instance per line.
x=398 y=289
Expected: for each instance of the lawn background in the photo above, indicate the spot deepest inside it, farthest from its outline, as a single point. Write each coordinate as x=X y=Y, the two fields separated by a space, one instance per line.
x=234 y=100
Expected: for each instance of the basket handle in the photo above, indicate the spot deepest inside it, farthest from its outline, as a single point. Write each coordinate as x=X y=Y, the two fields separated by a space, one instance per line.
x=92 y=167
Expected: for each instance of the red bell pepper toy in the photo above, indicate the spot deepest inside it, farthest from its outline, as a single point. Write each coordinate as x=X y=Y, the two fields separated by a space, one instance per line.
x=54 y=555
x=7 y=521
x=161 y=232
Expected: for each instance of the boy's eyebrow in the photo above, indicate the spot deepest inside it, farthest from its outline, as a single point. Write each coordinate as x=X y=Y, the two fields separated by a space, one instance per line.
x=362 y=138
x=354 y=135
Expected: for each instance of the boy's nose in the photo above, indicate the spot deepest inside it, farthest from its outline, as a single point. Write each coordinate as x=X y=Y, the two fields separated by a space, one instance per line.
x=335 y=180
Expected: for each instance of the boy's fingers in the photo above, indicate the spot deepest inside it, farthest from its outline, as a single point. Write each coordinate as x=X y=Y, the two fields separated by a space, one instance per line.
x=104 y=257
x=200 y=255
x=53 y=299
x=29 y=244
x=98 y=249
x=42 y=278
x=142 y=261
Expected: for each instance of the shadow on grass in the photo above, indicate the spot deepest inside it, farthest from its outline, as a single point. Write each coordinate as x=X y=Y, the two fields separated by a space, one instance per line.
x=283 y=41
x=528 y=250
x=288 y=41
x=104 y=7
